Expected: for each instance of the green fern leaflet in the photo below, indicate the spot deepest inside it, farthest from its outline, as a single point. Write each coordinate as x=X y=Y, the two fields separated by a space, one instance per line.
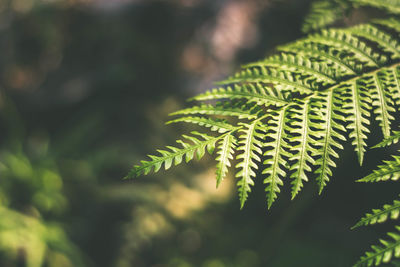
x=384 y=252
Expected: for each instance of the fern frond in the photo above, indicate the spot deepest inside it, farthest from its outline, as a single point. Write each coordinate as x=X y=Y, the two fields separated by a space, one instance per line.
x=223 y=109
x=300 y=65
x=276 y=148
x=301 y=138
x=175 y=154
x=332 y=57
x=389 y=171
x=328 y=134
x=382 y=102
x=384 y=40
x=225 y=152
x=282 y=80
x=392 y=82
x=388 y=211
x=393 y=139
x=347 y=42
x=296 y=106
x=383 y=252
x=356 y=107
x=391 y=23
x=220 y=126
x=392 y=6
x=324 y=13
x=250 y=146
x=255 y=93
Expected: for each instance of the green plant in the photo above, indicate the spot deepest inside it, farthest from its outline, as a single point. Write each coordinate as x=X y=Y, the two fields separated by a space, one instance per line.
x=326 y=12
x=389 y=171
x=290 y=113
x=24 y=225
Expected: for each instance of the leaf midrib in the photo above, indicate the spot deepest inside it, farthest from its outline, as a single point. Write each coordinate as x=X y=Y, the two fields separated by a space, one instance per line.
x=302 y=160
x=325 y=156
x=275 y=166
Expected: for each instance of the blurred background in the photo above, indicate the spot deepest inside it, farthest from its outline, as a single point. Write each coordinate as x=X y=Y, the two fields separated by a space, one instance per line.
x=85 y=89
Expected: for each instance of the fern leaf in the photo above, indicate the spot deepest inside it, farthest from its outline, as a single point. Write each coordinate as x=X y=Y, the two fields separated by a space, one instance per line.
x=392 y=6
x=275 y=150
x=393 y=139
x=219 y=126
x=324 y=13
x=333 y=57
x=250 y=144
x=347 y=42
x=299 y=64
x=383 y=104
x=393 y=83
x=262 y=95
x=388 y=211
x=225 y=154
x=300 y=137
x=295 y=106
x=383 y=252
x=283 y=80
x=224 y=109
x=327 y=144
x=385 y=41
x=175 y=155
x=356 y=106
x=391 y=23
x=389 y=171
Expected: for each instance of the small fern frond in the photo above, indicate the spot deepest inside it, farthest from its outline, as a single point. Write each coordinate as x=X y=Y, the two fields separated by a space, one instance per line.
x=356 y=107
x=225 y=152
x=347 y=42
x=223 y=109
x=276 y=148
x=301 y=138
x=220 y=126
x=175 y=154
x=388 y=211
x=324 y=13
x=329 y=136
x=250 y=146
x=381 y=100
x=384 y=40
x=392 y=6
x=299 y=65
x=282 y=80
x=393 y=139
x=334 y=58
x=391 y=23
x=389 y=171
x=392 y=82
x=254 y=93
x=383 y=252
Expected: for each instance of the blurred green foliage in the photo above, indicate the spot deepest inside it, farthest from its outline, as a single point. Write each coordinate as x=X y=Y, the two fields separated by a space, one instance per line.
x=36 y=242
